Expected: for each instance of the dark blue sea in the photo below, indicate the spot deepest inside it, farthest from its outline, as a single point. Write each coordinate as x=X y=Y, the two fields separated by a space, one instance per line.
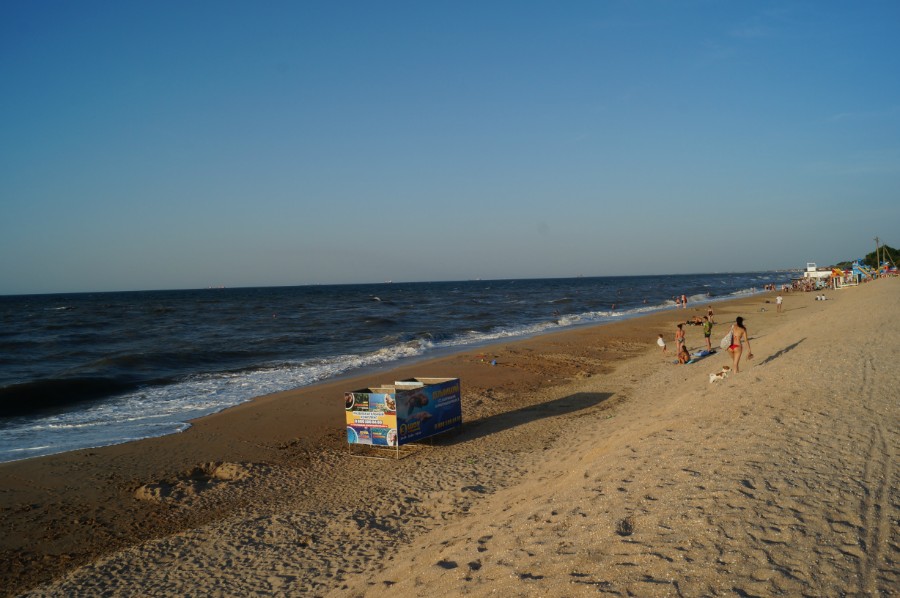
x=93 y=369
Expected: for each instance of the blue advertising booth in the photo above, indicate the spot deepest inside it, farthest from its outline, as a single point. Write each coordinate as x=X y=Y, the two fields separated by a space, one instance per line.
x=405 y=412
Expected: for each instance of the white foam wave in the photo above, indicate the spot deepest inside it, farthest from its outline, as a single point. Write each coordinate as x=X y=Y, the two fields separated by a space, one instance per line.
x=745 y=292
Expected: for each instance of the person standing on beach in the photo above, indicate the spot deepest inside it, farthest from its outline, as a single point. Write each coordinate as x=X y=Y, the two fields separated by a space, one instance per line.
x=684 y=302
x=709 y=314
x=740 y=335
x=707 y=332
x=679 y=339
x=778 y=301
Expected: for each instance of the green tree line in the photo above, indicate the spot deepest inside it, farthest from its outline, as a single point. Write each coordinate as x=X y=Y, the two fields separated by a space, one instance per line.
x=887 y=253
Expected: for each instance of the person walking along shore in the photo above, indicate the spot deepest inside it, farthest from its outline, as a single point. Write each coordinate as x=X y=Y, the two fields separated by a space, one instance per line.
x=740 y=336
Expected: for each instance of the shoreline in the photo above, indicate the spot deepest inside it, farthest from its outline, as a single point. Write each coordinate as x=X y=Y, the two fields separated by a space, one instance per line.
x=437 y=354
x=69 y=509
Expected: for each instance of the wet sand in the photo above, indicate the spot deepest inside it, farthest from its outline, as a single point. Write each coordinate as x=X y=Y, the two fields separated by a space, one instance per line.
x=588 y=463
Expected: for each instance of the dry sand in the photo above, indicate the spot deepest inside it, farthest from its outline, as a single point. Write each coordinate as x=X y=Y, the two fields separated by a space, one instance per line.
x=589 y=464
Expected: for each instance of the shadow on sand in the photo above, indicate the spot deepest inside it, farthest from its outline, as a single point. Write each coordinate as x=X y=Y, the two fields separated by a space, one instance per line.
x=778 y=354
x=479 y=428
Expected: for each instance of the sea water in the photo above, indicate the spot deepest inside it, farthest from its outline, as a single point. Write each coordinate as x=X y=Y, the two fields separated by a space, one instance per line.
x=93 y=369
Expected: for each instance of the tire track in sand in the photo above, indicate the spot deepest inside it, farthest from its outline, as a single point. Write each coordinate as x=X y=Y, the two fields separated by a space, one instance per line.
x=877 y=473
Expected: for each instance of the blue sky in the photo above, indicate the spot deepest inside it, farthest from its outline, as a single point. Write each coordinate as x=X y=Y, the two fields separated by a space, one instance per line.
x=157 y=145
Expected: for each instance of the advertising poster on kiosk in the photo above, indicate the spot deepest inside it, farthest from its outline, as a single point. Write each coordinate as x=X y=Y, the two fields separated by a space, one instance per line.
x=403 y=412
x=427 y=406
x=371 y=417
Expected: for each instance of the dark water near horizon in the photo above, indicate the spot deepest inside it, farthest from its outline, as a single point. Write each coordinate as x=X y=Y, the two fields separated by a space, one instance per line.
x=92 y=369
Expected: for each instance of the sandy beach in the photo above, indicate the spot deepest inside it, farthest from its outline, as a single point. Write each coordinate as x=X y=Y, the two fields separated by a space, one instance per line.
x=588 y=464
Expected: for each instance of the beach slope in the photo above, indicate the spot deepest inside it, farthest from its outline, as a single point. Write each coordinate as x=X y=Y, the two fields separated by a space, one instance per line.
x=589 y=463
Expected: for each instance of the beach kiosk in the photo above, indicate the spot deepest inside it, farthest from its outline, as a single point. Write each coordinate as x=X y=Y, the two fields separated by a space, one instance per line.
x=407 y=411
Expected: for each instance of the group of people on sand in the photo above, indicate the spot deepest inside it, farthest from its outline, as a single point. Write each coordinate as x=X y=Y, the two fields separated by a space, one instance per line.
x=739 y=337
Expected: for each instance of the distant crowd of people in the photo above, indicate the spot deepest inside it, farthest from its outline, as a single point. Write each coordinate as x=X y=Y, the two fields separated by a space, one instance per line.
x=805 y=285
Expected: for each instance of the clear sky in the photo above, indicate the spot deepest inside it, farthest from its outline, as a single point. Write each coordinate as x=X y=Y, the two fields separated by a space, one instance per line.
x=159 y=145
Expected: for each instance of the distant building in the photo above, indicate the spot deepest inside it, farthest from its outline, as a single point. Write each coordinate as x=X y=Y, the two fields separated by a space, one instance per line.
x=816 y=273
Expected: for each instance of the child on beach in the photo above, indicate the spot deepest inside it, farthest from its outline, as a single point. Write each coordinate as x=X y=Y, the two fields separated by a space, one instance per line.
x=684 y=355
x=707 y=332
x=662 y=343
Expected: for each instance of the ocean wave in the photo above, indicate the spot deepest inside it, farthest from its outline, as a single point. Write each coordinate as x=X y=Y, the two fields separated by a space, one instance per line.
x=29 y=449
x=744 y=292
x=380 y=322
x=42 y=395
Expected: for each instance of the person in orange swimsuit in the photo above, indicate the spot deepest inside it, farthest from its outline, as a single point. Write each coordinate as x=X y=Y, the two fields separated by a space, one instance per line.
x=740 y=335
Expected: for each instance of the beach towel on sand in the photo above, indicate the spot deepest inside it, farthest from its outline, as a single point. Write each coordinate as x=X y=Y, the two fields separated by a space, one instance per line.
x=695 y=357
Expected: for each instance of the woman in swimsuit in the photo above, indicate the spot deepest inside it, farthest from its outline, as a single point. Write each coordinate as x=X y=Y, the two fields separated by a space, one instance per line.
x=684 y=355
x=740 y=335
x=679 y=339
